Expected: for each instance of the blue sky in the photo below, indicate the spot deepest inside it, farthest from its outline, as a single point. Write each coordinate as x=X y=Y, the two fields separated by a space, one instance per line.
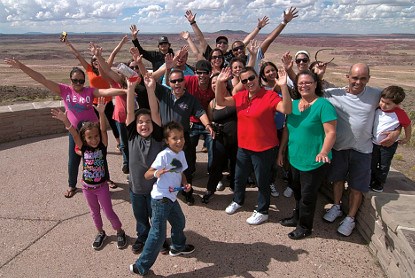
x=167 y=16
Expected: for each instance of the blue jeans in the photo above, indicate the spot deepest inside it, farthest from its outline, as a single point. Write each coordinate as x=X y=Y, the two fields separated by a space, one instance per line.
x=122 y=130
x=196 y=130
x=141 y=204
x=381 y=161
x=73 y=163
x=163 y=210
x=261 y=163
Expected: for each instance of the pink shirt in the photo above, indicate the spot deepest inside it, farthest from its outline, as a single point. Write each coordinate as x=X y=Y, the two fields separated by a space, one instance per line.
x=256 y=127
x=120 y=108
x=78 y=105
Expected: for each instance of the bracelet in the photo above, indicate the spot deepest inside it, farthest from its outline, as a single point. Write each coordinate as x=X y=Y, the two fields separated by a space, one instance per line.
x=193 y=22
x=207 y=126
x=259 y=27
x=283 y=23
x=155 y=174
x=68 y=128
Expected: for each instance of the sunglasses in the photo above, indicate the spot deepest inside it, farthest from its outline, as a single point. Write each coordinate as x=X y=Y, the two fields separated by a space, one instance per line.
x=251 y=78
x=174 y=81
x=216 y=57
x=304 y=60
x=78 y=81
x=202 y=72
x=134 y=67
x=222 y=42
x=241 y=47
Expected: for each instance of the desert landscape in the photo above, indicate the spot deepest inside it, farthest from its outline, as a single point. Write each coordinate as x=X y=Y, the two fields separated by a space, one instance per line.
x=391 y=58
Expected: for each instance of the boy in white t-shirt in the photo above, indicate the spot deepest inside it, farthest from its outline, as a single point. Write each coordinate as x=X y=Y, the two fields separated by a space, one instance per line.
x=389 y=116
x=168 y=168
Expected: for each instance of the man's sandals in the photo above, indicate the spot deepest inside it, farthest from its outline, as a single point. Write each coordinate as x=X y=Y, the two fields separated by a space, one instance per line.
x=70 y=192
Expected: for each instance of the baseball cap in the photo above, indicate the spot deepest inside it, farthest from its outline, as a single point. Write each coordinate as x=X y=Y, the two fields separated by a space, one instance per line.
x=203 y=65
x=218 y=39
x=163 y=39
x=302 y=52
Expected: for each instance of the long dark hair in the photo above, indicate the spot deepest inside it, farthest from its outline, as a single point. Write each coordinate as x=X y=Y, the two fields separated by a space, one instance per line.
x=221 y=54
x=262 y=70
x=84 y=126
x=76 y=69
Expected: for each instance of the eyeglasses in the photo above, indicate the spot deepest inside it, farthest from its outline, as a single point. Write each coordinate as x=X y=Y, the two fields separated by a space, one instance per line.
x=202 y=72
x=134 y=67
x=241 y=47
x=174 y=81
x=304 y=60
x=216 y=57
x=222 y=42
x=302 y=84
x=251 y=78
x=78 y=81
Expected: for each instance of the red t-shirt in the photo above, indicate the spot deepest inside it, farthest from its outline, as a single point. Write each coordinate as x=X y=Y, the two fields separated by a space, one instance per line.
x=120 y=108
x=256 y=127
x=203 y=96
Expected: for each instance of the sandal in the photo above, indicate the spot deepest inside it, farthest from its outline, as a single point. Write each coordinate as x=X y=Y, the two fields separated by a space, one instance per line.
x=299 y=233
x=289 y=222
x=111 y=184
x=70 y=192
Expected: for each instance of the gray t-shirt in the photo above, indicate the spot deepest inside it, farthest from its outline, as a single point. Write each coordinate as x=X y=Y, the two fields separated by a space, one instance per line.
x=355 y=117
x=142 y=152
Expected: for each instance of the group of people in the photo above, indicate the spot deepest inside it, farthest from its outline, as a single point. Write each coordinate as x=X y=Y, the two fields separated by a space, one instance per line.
x=252 y=116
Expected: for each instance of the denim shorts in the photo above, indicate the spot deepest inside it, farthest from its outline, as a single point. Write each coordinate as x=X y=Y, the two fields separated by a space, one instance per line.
x=351 y=166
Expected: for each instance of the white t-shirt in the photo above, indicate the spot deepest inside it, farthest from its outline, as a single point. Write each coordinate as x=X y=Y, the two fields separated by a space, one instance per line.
x=176 y=163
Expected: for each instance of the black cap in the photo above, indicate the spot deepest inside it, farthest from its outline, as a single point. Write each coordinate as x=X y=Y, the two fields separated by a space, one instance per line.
x=203 y=65
x=163 y=39
x=222 y=38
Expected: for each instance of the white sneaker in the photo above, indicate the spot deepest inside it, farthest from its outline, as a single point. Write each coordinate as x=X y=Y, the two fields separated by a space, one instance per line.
x=274 y=192
x=220 y=186
x=232 y=208
x=257 y=218
x=333 y=213
x=346 y=226
x=288 y=192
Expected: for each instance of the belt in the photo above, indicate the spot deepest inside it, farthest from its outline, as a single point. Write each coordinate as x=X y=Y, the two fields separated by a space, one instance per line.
x=87 y=187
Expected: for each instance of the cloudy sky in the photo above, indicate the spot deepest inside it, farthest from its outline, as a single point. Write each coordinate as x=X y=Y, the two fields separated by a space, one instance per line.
x=167 y=16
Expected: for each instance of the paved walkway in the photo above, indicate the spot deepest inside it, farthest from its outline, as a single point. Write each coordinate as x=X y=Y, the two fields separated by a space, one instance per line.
x=42 y=234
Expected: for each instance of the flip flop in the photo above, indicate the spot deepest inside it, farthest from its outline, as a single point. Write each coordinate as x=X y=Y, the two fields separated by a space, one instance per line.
x=70 y=192
x=111 y=184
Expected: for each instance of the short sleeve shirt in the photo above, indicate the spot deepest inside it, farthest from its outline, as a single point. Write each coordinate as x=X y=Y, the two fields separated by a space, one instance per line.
x=95 y=168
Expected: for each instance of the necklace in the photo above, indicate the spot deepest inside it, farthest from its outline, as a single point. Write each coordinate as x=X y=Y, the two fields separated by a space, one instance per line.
x=303 y=104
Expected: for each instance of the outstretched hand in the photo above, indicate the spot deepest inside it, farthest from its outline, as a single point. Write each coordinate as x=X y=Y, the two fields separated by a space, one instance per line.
x=287 y=61
x=224 y=75
x=137 y=57
x=253 y=47
x=149 y=82
x=101 y=105
x=282 y=77
x=60 y=115
x=95 y=49
x=185 y=35
x=190 y=16
x=13 y=62
x=290 y=15
x=134 y=31
x=263 y=22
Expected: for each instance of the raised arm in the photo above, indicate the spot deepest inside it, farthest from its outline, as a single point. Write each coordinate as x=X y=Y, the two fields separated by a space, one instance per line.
x=61 y=116
x=220 y=90
x=134 y=34
x=78 y=55
x=130 y=102
x=292 y=13
x=199 y=35
x=253 y=50
x=186 y=36
x=287 y=61
x=261 y=24
x=106 y=69
x=102 y=120
x=37 y=76
x=150 y=84
x=117 y=49
x=284 y=106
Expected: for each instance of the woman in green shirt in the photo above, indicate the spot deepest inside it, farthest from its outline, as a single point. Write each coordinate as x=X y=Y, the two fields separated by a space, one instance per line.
x=310 y=133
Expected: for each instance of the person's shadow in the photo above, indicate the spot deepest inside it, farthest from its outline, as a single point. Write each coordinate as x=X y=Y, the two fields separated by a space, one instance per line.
x=229 y=259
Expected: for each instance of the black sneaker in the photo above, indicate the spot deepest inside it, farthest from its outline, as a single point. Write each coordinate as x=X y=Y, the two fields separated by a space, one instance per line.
x=190 y=200
x=376 y=186
x=134 y=270
x=188 y=249
x=207 y=197
x=99 y=240
x=121 y=240
x=137 y=247
x=125 y=169
x=165 y=249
